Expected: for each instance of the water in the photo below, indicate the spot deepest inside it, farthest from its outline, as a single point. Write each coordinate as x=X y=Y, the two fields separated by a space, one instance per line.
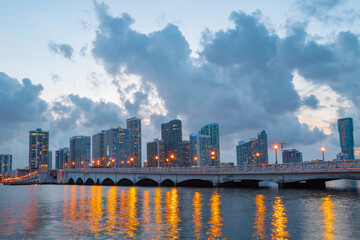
x=78 y=212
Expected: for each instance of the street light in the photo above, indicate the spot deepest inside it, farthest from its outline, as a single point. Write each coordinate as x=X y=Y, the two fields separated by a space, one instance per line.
x=258 y=158
x=276 y=148
x=145 y=161
x=195 y=159
x=323 y=153
x=131 y=160
x=158 y=161
x=213 y=157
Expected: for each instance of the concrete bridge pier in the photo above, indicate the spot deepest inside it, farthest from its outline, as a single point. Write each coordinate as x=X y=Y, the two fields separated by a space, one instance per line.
x=311 y=184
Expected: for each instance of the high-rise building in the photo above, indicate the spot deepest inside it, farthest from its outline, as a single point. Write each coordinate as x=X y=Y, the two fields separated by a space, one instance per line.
x=50 y=159
x=345 y=127
x=155 y=153
x=134 y=127
x=185 y=154
x=200 y=150
x=171 y=133
x=212 y=130
x=79 y=151
x=5 y=163
x=38 y=149
x=117 y=150
x=62 y=158
x=291 y=156
x=253 y=152
x=98 y=149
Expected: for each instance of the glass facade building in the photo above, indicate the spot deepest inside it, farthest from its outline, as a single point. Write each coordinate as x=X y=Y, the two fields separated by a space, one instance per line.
x=155 y=153
x=171 y=134
x=253 y=152
x=134 y=127
x=200 y=150
x=79 y=151
x=5 y=163
x=117 y=150
x=345 y=127
x=98 y=149
x=291 y=156
x=212 y=130
x=38 y=149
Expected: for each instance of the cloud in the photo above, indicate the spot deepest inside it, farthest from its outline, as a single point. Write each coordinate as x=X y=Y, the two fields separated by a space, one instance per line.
x=311 y=101
x=238 y=80
x=21 y=107
x=55 y=78
x=328 y=11
x=65 y=50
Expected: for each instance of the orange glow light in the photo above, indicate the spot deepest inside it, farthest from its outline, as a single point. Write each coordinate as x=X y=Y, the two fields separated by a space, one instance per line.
x=323 y=149
x=212 y=153
x=257 y=154
x=172 y=156
x=276 y=146
x=156 y=157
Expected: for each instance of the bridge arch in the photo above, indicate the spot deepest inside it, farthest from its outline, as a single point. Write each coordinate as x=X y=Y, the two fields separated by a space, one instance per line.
x=79 y=181
x=125 y=182
x=98 y=182
x=167 y=183
x=71 y=181
x=89 y=181
x=146 y=182
x=195 y=183
x=108 y=182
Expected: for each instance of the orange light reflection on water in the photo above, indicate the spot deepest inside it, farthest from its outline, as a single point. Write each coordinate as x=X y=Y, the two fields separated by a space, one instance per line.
x=197 y=215
x=327 y=207
x=158 y=214
x=133 y=222
x=95 y=210
x=215 y=231
x=279 y=220
x=111 y=212
x=260 y=216
x=172 y=213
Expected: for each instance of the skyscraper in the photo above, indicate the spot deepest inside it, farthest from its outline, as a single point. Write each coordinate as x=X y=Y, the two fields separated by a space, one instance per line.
x=134 y=127
x=155 y=153
x=290 y=156
x=171 y=133
x=62 y=158
x=98 y=149
x=345 y=126
x=5 y=163
x=38 y=149
x=253 y=152
x=200 y=150
x=50 y=159
x=79 y=151
x=212 y=130
x=185 y=154
x=117 y=150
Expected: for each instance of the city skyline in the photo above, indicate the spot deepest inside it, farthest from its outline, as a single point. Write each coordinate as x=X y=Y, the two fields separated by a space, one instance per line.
x=76 y=75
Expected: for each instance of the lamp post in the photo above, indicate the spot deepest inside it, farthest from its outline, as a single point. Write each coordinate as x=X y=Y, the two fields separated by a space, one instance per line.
x=113 y=161
x=172 y=156
x=323 y=153
x=145 y=163
x=131 y=160
x=276 y=148
x=258 y=158
x=158 y=161
x=195 y=161
x=213 y=157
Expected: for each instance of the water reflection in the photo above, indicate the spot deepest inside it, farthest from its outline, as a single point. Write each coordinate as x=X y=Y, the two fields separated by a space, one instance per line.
x=158 y=214
x=197 y=215
x=327 y=207
x=279 y=220
x=146 y=212
x=172 y=213
x=111 y=210
x=95 y=210
x=215 y=222
x=132 y=212
x=260 y=216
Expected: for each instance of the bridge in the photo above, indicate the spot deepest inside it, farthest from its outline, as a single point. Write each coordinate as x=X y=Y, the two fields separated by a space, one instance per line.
x=291 y=175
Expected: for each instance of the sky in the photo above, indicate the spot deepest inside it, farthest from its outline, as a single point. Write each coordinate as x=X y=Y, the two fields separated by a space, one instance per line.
x=77 y=67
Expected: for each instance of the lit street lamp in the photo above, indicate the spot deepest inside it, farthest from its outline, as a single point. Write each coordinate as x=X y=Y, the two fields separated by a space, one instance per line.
x=276 y=148
x=258 y=158
x=145 y=163
x=158 y=161
x=131 y=160
x=323 y=153
x=213 y=157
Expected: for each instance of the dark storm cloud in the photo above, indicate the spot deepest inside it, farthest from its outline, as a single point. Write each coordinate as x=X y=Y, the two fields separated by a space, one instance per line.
x=311 y=101
x=83 y=114
x=335 y=64
x=20 y=106
x=63 y=49
x=237 y=81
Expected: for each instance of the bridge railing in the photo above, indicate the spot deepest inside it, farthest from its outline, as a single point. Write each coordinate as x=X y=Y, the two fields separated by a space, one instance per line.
x=315 y=166
x=24 y=178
